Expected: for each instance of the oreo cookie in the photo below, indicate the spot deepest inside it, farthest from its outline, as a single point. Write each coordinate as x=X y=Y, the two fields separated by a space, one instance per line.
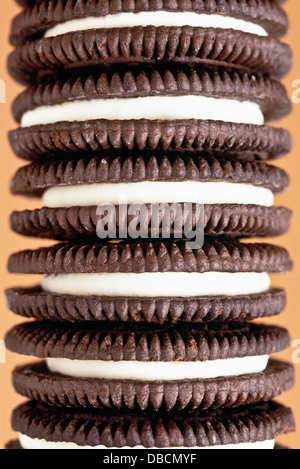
x=28 y=24
x=213 y=34
x=236 y=198
x=220 y=365
x=183 y=110
x=256 y=424
x=150 y=282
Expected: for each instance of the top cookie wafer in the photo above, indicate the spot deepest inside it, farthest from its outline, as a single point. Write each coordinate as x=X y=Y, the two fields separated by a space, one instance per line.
x=56 y=35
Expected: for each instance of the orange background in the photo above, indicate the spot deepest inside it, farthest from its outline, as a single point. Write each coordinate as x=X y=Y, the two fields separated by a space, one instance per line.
x=11 y=242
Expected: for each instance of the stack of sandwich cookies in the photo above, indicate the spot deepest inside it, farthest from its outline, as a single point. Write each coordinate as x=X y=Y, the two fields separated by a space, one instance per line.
x=194 y=366
x=145 y=339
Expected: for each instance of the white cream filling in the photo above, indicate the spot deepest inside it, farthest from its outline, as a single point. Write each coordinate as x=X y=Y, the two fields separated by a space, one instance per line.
x=156 y=18
x=157 y=371
x=33 y=443
x=158 y=285
x=150 y=107
x=157 y=193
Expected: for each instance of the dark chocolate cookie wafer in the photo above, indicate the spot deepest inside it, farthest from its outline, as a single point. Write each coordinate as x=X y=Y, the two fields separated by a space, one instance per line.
x=34 y=179
x=80 y=223
x=246 y=142
x=185 y=35
x=128 y=367
x=217 y=112
x=73 y=190
x=152 y=257
x=251 y=424
x=122 y=343
x=38 y=304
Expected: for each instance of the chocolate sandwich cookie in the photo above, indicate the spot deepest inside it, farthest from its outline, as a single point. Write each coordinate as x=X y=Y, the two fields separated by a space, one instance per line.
x=55 y=37
x=255 y=426
x=150 y=281
x=236 y=197
x=183 y=110
x=204 y=366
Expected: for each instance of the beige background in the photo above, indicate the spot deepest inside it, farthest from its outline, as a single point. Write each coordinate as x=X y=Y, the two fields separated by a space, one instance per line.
x=11 y=242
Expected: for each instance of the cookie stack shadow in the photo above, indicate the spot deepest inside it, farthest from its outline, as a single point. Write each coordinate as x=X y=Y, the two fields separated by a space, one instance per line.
x=145 y=337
